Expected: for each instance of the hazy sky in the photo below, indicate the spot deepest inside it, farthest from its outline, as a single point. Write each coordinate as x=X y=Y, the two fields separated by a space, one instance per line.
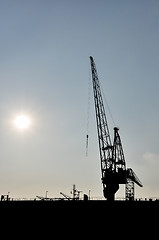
x=45 y=74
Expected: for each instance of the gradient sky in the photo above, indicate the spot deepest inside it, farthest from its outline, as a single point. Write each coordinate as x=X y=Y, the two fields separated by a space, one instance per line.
x=45 y=74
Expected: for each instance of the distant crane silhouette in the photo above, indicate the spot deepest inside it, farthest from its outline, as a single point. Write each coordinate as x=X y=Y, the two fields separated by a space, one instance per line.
x=75 y=192
x=65 y=196
x=113 y=165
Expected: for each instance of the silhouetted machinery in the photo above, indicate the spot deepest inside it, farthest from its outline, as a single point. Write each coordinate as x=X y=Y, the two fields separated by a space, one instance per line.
x=75 y=192
x=113 y=166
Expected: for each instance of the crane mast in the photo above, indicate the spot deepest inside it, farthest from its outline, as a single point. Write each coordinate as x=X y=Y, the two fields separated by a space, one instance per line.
x=113 y=166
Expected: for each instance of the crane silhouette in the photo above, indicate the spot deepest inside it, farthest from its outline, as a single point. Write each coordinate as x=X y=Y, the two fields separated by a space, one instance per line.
x=113 y=165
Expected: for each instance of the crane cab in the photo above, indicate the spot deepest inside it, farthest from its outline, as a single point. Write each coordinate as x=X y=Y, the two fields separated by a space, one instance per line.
x=114 y=177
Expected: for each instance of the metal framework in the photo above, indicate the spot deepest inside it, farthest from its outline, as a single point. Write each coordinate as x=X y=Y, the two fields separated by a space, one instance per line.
x=113 y=166
x=129 y=190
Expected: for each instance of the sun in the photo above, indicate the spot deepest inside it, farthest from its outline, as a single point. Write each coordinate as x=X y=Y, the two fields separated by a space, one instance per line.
x=22 y=122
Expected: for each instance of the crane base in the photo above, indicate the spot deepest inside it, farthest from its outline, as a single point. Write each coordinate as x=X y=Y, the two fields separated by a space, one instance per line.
x=110 y=190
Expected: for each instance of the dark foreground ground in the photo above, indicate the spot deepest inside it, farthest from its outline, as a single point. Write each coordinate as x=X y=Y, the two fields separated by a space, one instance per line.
x=85 y=219
x=81 y=208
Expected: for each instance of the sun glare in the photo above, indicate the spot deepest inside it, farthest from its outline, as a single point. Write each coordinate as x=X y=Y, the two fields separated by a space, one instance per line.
x=22 y=122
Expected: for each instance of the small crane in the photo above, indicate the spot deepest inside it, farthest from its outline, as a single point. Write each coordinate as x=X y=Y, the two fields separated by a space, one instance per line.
x=66 y=196
x=75 y=192
x=113 y=165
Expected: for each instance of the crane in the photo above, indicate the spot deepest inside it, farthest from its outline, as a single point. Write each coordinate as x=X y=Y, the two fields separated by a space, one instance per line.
x=75 y=192
x=66 y=196
x=113 y=165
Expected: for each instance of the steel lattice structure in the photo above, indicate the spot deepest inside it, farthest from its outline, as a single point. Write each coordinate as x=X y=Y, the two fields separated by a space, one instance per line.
x=113 y=165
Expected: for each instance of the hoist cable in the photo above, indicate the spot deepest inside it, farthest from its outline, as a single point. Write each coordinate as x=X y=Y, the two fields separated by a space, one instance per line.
x=88 y=113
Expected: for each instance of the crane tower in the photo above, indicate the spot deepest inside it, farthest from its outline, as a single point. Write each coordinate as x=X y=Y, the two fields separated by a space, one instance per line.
x=113 y=165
